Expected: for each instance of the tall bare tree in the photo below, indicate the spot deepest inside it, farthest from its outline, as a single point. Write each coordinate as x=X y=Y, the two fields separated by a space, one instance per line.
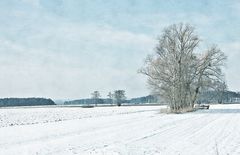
x=176 y=71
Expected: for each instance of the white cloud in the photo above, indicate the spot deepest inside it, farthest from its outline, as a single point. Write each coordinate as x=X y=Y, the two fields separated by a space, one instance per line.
x=34 y=3
x=41 y=71
x=232 y=50
x=236 y=7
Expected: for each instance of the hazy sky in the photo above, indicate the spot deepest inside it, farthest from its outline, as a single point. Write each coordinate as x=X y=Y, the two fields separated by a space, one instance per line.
x=69 y=48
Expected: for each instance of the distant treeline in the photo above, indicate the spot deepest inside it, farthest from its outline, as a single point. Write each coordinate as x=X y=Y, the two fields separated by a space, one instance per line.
x=219 y=97
x=204 y=97
x=139 y=100
x=25 y=102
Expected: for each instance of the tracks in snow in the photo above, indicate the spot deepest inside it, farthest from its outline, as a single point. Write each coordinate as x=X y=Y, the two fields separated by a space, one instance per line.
x=139 y=132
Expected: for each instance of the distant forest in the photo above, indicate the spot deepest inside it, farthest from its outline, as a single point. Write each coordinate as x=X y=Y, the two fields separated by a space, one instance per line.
x=204 y=97
x=139 y=100
x=219 y=97
x=25 y=102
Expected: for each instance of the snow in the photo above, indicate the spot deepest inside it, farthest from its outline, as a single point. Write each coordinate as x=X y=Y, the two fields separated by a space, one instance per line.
x=132 y=130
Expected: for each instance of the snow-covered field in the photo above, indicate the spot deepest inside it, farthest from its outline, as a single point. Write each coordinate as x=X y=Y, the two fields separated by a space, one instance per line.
x=119 y=130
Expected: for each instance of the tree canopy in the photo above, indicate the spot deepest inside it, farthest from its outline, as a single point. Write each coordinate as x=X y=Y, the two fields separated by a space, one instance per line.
x=178 y=70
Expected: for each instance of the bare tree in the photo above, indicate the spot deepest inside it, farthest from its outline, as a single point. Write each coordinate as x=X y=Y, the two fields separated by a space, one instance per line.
x=96 y=96
x=220 y=88
x=110 y=96
x=176 y=71
x=119 y=96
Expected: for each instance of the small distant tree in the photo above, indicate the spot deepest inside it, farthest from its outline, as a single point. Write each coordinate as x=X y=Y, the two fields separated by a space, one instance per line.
x=119 y=97
x=110 y=96
x=220 y=88
x=96 y=97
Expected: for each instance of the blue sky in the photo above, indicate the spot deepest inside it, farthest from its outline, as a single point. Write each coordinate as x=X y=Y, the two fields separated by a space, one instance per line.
x=69 y=48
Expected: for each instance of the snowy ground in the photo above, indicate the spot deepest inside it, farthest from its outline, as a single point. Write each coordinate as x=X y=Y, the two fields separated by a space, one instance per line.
x=119 y=130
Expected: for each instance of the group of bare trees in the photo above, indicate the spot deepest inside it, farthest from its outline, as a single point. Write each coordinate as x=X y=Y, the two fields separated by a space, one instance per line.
x=178 y=70
x=117 y=97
